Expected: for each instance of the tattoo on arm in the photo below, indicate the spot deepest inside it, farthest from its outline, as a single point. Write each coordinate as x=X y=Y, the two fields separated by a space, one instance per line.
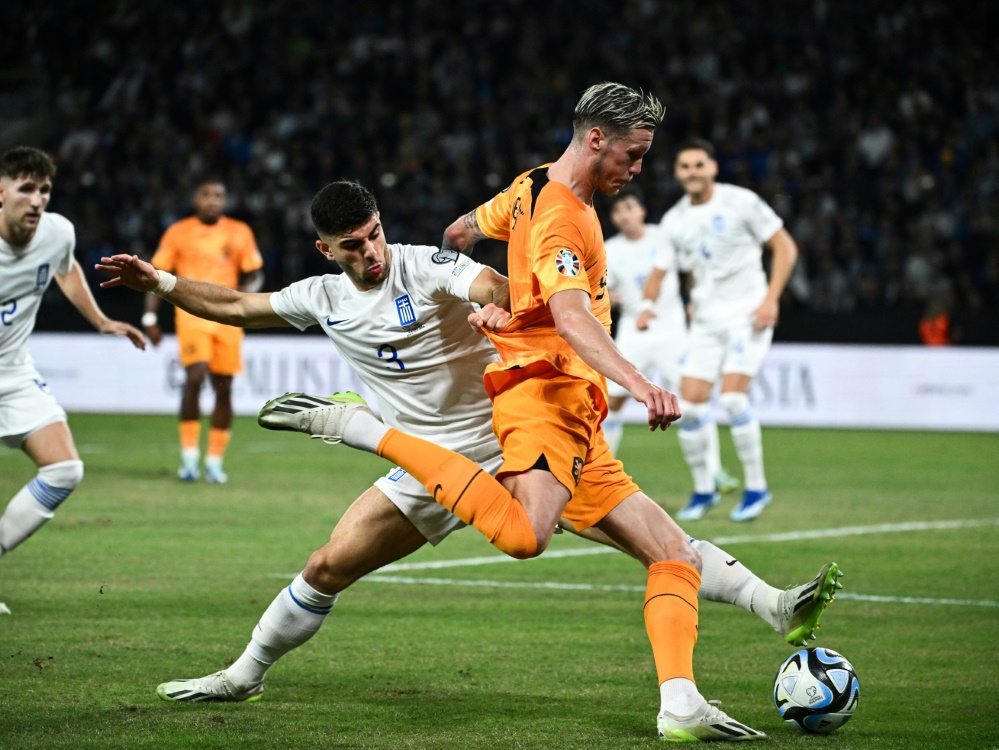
x=472 y=223
x=466 y=239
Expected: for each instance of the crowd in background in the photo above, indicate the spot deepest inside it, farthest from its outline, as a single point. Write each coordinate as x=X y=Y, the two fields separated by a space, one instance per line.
x=872 y=128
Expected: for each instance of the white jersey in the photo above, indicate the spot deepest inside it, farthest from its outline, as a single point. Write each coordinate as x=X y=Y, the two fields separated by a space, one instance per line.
x=409 y=341
x=721 y=241
x=629 y=263
x=25 y=274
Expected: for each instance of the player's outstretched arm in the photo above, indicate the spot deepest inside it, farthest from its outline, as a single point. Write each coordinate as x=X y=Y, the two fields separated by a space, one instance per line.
x=576 y=324
x=208 y=301
x=74 y=285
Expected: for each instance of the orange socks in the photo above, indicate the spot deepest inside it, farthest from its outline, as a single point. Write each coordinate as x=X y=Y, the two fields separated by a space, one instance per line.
x=190 y=434
x=218 y=441
x=671 y=617
x=465 y=489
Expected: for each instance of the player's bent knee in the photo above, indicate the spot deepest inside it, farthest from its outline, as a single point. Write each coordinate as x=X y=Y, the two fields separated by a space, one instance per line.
x=680 y=550
x=55 y=482
x=735 y=403
x=695 y=414
x=326 y=573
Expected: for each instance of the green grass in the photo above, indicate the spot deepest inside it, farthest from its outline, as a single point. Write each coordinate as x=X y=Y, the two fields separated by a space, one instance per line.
x=140 y=579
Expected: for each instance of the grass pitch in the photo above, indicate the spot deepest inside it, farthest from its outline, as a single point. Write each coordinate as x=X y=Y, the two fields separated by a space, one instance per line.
x=140 y=579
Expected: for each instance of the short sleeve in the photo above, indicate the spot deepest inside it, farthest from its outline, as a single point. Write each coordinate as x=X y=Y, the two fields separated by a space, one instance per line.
x=493 y=216
x=442 y=272
x=761 y=220
x=165 y=257
x=250 y=259
x=296 y=303
x=69 y=257
x=559 y=260
x=664 y=257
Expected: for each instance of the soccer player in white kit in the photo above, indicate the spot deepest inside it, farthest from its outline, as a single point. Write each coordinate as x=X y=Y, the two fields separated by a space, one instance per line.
x=35 y=248
x=650 y=334
x=398 y=314
x=718 y=232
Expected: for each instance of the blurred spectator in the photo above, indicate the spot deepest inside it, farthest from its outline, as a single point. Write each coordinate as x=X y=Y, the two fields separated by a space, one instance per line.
x=873 y=128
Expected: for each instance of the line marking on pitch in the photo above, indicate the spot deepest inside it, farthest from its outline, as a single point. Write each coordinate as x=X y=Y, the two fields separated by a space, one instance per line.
x=790 y=536
x=409 y=580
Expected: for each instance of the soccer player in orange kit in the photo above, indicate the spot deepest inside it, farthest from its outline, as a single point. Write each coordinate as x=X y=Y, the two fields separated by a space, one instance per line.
x=208 y=246
x=550 y=395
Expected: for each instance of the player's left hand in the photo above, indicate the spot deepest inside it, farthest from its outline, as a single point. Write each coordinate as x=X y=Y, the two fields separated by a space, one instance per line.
x=118 y=328
x=128 y=270
x=765 y=316
x=491 y=318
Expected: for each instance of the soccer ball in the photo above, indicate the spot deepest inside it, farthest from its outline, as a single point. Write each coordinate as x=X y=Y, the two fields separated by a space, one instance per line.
x=816 y=690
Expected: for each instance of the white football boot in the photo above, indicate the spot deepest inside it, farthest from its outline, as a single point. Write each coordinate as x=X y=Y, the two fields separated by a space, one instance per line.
x=323 y=418
x=708 y=724
x=214 y=688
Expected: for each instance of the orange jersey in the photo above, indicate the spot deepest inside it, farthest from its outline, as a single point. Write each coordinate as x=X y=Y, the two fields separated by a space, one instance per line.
x=554 y=243
x=216 y=253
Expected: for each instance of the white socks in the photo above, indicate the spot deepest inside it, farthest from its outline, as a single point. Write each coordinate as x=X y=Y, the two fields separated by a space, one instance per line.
x=694 y=435
x=36 y=502
x=295 y=615
x=364 y=431
x=724 y=579
x=680 y=697
x=747 y=438
x=613 y=428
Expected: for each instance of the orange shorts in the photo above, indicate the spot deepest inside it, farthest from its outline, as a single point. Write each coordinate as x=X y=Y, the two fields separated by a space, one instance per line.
x=558 y=417
x=217 y=344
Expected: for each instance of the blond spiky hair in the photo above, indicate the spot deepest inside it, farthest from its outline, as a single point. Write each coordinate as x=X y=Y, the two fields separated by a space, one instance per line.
x=616 y=109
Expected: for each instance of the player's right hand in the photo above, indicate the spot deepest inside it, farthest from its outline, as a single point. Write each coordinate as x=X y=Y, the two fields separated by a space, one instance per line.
x=491 y=318
x=643 y=319
x=129 y=271
x=663 y=406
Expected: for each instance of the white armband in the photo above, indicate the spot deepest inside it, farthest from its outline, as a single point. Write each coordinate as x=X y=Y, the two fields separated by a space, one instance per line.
x=166 y=284
x=150 y=319
x=647 y=305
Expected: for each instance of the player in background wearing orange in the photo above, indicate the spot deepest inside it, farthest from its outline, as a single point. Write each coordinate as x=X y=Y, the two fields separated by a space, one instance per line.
x=550 y=395
x=208 y=246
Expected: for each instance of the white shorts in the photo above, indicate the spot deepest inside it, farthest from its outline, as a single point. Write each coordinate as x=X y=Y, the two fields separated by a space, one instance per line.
x=26 y=404
x=651 y=351
x=715 y=349
x=430 y=518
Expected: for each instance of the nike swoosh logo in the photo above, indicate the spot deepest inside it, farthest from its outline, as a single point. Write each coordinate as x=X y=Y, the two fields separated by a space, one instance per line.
x=730 y=563
x=332 y=323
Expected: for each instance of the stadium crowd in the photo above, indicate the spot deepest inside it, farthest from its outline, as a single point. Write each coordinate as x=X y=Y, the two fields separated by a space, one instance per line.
x=872 y=128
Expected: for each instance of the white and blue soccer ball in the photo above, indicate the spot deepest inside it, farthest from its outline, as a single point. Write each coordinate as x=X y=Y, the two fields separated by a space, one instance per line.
x=817 y=690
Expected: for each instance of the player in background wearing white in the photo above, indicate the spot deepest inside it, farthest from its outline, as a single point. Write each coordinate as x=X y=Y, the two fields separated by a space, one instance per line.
x=719 y=232
x=654 y=342
x=398 y=314
x=35 y=248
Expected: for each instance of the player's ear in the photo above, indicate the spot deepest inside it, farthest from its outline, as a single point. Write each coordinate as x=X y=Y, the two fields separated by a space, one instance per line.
x=596 y=139
x=324 y=249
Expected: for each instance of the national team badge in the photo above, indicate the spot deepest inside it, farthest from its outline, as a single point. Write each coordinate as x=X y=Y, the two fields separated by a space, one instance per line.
x=404 y=307
x=567 y=262
x=41 y=278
